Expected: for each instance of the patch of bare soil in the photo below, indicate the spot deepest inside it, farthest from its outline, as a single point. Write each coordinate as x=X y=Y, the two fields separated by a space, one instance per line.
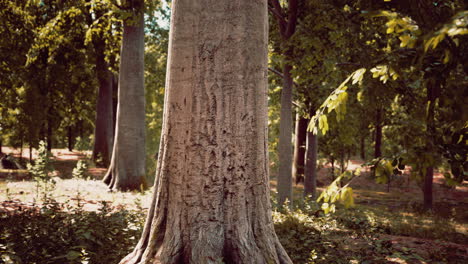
x=63 y=161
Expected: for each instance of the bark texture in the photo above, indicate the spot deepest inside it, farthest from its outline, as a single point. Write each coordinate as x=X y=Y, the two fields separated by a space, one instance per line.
x=310 y=181
x=127 y=168
x=104 y=129
x=211 y=196
x=299 y=148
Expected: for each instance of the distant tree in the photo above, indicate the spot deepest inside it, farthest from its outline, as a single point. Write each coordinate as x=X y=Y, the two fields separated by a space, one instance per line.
x=211 y=202
x=104 y=32
x=127 y=167
x=286 y=20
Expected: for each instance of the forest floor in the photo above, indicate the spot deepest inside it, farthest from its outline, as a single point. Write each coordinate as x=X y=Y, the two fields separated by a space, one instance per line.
x=400 y=230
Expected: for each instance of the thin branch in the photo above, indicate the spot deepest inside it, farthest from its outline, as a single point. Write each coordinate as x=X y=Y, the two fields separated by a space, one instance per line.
x=276 y=72
x=278 y=15
x=281 y=21
x=292 y=18
x=281 y=75
x=296 y=104
x=348 y=64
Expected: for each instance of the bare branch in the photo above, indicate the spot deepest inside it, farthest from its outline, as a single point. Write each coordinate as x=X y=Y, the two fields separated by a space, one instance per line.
x=292 y=18
x=280 y=75
x=279 y=15
x=348 y=64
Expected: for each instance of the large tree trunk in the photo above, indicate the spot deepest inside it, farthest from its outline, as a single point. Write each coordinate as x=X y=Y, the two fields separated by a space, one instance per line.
x=299 y=148
x=310 y=181
x=127 y=168
x=104 y=128
x=211 y=201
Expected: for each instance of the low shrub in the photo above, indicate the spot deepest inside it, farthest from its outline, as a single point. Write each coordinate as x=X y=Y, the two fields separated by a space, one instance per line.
x=52 y=234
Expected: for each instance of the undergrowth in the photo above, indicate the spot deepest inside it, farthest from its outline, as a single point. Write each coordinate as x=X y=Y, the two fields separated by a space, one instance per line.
x=61 y=233
x=57 y=234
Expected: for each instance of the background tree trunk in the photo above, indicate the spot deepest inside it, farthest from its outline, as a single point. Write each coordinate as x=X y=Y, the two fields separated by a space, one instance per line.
x=127 y=168
x=378 y=134
x=211 y=202
x=104 y=129
x=310 y=181
x=432 y=90
x=363 y=147
x=70 y=138
x=49 y=131
x=30 y=151
x=285 y=136
x=299 y=148
x=287 y=28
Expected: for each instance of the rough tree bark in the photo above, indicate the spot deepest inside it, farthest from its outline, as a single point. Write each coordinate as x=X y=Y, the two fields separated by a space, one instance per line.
x=127 y=168
x=211 y=196
x=287 y=25
x=299 y=148
x=104 y=129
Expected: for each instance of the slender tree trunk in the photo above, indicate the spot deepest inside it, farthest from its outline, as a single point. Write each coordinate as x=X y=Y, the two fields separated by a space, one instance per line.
x=127 y=168
x=310 y=182
x=299 y=148
x=378 y=134
x=104 y=128
x=287 y=27
x=49 y=132
x=70 y=138
x=30 y=151
x=432 y=92
x=285 y=136
x=342 y=161
x=21 y=147
x=427 y=188
x=211 y=202
x=363 y=147
x=1 y=146
x=333 y=168
x=115 y=99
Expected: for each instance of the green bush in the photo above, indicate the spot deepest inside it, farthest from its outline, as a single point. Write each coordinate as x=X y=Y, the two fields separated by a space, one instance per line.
x=84 y=143
x=298 y=236
x=41 y=171
x=52 y=235
x=79 y=172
